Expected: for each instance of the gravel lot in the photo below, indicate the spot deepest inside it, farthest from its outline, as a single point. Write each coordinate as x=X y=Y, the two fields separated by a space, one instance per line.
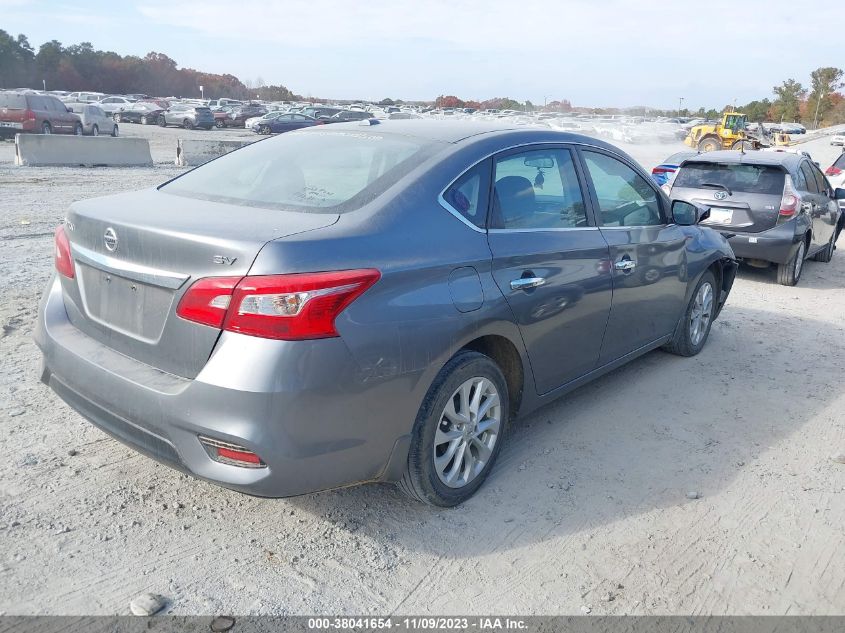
x=586 y=511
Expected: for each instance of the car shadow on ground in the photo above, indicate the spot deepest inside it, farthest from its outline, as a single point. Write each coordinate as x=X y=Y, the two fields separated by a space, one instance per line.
x=632 y=442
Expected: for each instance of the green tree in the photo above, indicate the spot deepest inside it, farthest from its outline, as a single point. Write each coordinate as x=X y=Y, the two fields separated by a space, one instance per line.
x=787 y=105
x=824 y=82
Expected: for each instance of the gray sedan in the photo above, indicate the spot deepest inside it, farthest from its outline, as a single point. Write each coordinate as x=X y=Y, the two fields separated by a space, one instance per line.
x=369 y=301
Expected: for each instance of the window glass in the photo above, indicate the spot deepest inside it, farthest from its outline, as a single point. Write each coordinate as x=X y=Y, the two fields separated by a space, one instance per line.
x=537 y=189
x=745 y=178
x=812 y=186
x=840 y=162
x=467 y=194
x=821 y=181
x=309 y=171
x=800 y=180
x=625 y=198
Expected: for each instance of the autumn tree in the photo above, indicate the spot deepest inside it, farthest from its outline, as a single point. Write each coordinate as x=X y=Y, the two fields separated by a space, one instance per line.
x=824 y=82
x=787 y=105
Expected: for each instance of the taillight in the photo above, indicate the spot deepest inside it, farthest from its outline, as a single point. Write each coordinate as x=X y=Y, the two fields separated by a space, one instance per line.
x=64 y=262
x=288 y=307
x=662 y=170
x=29 y=115
x=833 y=171
x=789 y=202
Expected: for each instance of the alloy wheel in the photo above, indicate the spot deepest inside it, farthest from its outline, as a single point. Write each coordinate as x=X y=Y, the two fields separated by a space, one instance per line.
x=467 y=432
x=702 y=312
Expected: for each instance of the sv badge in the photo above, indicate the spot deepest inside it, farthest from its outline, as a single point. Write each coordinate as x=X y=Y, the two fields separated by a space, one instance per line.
x=224 y=260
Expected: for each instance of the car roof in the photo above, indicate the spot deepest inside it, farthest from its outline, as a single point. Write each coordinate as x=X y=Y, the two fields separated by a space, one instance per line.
x=787 y=160
x=456 y=131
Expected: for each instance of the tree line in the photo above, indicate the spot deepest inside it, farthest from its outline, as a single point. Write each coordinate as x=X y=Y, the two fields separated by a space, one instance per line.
x=55 y=66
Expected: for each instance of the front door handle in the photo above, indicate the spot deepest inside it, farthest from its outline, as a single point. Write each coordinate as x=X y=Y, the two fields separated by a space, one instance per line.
x=524 y=283
x=625 y=265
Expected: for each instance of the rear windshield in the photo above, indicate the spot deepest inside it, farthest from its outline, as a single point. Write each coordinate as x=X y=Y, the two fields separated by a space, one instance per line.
x=12 y=101
x=314 y=170
x=840 y=162
x=765 y=179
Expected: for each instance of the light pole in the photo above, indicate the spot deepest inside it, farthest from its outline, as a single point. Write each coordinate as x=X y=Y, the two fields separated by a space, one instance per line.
x=680 y=103
x=816 y=117
x=202 y=93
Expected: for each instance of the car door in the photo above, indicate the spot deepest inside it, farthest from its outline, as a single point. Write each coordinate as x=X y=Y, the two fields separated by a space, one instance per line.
x=647 y=251
x=814 y=205
x=826 y=213
x=550 y=261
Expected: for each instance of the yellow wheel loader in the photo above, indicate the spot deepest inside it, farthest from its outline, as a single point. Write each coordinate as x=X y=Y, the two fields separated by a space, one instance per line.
x=729 y=133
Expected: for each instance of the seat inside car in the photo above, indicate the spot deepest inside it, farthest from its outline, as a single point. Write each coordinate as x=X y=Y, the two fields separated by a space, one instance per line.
x=513 y=202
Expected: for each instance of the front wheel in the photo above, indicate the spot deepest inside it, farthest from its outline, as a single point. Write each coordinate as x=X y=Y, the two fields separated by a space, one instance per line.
x=143 y=119
x=694 y=328
x=264 y=129
x=115 y=131
x=710 y=144
x=790 y=272
x=188 y=124
x=220 y=124
x=458 y=432
x=162 y=122
x=95 y=131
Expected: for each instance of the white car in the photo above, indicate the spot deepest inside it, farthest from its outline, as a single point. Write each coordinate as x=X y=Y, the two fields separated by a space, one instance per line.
x=112 y=105
x=838 y=139
x=252 y=123
x=836 y=174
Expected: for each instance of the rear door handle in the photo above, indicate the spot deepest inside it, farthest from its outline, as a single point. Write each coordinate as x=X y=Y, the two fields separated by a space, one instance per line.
x=625 y=264
x=524 y=283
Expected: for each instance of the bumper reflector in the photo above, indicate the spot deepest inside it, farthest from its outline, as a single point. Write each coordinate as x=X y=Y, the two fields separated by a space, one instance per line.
x=231 y=454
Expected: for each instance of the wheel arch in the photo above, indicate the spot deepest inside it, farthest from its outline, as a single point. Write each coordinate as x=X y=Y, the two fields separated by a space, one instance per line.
x=506 y=355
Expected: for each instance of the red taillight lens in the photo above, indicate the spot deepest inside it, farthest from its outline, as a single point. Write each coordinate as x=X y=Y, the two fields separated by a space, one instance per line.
x=790 y=201
x=207 y=300
x=833 y=171
x=288 y=307
x=29 y=115
x=662 y=170
x=64 y=262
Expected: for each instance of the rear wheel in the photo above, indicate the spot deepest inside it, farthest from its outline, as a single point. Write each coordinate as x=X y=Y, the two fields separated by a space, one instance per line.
x=743 y=145
x=162 y=122
x=77 y=129
x=790 y=272
x=143 y=119
x=709 y=144
x=95 y=131
x=826 y=254
x=219 y=123
x=458 y=432
x=694 y=328
x=188 y=124
x=46 y=128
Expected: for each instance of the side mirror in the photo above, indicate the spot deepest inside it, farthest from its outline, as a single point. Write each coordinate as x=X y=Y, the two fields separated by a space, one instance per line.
x=688 y=214
x=839 y=194
x=69 y=109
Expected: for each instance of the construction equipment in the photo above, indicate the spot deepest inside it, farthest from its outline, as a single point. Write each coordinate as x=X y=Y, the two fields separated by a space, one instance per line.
x=729 y=133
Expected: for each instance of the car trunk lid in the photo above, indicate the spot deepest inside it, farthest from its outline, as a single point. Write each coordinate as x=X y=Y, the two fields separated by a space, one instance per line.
x=136 y=254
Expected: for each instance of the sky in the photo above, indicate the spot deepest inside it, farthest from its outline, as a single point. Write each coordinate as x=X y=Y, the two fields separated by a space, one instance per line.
x=610 y=53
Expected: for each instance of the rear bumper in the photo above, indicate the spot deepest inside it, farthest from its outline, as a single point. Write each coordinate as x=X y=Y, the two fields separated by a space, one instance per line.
x=776 y=245
x=304 y=409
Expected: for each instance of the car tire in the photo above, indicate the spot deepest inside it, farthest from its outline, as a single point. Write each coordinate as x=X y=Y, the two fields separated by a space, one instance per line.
x=162 y=122
x=77 y=129
x=117 y=118
x=693 y=330
x=709 y=144
x=95 y=131
x=46 y=128
x=115 y=132
x=188 y=124
x=264 y=129
x=143 y=119
x=745 y=146
x=449 y=460
x=826 y=254
x=218 y=123
x=790 y=272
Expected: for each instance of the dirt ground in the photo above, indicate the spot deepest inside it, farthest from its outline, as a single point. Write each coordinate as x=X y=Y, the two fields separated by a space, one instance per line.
x=587 y=509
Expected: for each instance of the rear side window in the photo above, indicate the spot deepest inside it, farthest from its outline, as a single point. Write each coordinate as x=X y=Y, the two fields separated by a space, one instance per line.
x=309 y=171
x=839 y=163
x=36 y=103
x=12 y=101
x=810 y=178
x=468 y=194
x=765 y=179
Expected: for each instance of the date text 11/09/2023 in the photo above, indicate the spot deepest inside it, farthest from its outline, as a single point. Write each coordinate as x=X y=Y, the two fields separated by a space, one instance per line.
x=417 y=623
